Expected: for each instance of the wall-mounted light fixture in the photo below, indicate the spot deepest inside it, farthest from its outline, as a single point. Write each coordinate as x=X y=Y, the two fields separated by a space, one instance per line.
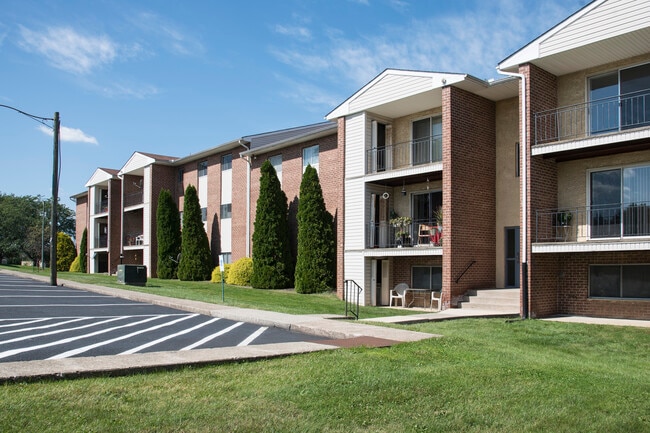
x=403 y=188
x=427 y=183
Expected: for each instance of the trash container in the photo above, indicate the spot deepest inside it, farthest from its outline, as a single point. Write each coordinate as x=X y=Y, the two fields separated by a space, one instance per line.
x=132 y=274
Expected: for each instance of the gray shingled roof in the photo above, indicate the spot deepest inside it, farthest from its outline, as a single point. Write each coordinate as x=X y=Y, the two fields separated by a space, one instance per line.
x=266 y=139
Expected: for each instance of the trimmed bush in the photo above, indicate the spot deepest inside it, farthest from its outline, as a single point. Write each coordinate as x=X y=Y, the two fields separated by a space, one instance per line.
x=168 y=223
x=196 y=260
x=76 y=264
x=315 y=265
x=272 y=262
x=83 y=253
x=65 y=252
x=216 y=273
x=241 y=272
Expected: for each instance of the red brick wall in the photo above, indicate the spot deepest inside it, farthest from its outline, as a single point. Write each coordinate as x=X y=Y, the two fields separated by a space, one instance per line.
x=567 y=275
x=114 y=224
x=541 y=182
x=239 y=207
x=401 y=270
x=469 y=175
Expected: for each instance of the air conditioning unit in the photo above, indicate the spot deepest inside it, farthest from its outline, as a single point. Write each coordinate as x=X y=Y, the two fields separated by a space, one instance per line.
x=132 y=274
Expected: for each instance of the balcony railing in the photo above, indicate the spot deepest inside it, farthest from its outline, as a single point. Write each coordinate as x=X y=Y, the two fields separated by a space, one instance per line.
x=402 y=155
x=101 y=241
x=133 y=199
x=101 y=206
x=417 y=233
x=593 y=223
x=600 y=116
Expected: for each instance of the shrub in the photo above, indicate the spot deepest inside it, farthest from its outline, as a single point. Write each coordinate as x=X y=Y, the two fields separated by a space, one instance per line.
x=76 y=264
x=65 y=252
x=241 y=272
x=83 y=252
x=216 y=273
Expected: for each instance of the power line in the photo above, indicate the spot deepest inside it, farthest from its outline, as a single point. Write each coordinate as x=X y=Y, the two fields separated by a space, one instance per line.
x=39 y=119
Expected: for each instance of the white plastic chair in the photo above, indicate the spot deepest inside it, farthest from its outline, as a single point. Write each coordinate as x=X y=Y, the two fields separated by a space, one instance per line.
x=399 y=292
x=436 y=300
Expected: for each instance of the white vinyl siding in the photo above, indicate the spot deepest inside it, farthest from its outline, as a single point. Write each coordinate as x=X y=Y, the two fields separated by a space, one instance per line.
x=355 y=215
x=355 y=270
x=355 y=145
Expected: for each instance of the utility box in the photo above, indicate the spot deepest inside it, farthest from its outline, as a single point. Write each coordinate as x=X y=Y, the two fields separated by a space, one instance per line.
x=132 y=274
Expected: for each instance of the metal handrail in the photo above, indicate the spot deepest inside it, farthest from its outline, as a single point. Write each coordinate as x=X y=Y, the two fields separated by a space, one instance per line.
x=386 y=235
x=469 y=265
x=351 y=295
x=620 y=112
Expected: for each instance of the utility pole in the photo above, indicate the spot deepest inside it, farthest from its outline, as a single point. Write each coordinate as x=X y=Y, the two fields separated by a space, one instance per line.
x=55 y=200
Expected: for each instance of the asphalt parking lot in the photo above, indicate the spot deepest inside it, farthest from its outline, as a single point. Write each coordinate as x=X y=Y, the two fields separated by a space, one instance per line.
x=42 y=322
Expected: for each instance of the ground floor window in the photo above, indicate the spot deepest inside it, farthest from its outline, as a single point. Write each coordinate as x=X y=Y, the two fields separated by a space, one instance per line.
x=619 y=281
x=427 y=277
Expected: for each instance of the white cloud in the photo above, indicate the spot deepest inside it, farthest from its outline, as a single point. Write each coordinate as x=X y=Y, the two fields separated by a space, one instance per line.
x=71 y=135
x=169 y=35
x=298 y=32
x=68 y=50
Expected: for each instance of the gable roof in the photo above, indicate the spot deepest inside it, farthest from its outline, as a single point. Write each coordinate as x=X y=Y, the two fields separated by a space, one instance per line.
x=603 y=31
x=139 y=160
x=100 y=176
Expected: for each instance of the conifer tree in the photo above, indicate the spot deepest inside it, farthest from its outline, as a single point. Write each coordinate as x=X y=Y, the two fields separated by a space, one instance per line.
x=168 y=223
x=83 y=252
x=196 y=261
x=272 y=262
x=315 y=263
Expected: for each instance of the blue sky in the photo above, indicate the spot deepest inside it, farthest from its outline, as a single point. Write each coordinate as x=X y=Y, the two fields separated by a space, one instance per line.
x=176 y=78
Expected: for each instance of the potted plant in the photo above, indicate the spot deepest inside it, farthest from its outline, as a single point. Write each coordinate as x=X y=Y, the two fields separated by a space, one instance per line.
x=402 y=225
x=564 y=218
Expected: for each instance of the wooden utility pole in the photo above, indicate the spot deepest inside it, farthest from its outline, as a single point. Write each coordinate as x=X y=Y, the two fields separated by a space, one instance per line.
x=55 y=200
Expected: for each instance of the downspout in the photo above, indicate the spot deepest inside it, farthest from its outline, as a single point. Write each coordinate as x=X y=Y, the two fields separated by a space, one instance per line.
x=246 y=145
x=524 y=190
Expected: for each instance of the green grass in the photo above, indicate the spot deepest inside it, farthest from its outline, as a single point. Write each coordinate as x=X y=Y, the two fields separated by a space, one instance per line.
x=484 y=375
x=284 y=301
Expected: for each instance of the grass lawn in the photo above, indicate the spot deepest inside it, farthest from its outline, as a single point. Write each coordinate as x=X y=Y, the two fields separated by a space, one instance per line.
x=484 y=375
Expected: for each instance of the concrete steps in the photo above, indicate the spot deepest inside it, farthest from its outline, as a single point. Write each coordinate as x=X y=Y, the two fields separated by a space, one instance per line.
x=497 y=300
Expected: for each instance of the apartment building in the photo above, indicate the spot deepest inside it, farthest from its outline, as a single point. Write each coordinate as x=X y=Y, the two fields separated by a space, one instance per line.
x=119 y=206
x=585 y=93
x=431 y=187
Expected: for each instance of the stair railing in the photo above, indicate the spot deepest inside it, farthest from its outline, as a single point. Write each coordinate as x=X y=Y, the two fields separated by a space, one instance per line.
x=465 y=270
x=351 y=295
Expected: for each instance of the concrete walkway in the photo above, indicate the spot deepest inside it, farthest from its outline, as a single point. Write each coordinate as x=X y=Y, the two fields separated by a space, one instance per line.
x=340 y=333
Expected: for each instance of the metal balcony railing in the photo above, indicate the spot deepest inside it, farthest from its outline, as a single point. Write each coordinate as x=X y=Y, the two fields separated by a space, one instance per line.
x=627 y=111
x=133 y=199
x=593 y=223
x=402 y=155
x=101 y=206
x=416 y=233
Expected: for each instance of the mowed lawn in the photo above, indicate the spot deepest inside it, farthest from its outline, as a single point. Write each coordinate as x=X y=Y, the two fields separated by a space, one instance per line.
x=484 y=375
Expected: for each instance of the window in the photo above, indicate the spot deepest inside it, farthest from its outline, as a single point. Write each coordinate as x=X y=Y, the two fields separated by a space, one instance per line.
x=619 y=281
x=425 y=207
x=620 y=202
x=310 y=157
x=227 y=258
x=226 y=162
x=203 y=168
x=181 y=173
x=427 y=140
x=276 y=162
x=204 y=214
x=427 y=277
x=620 y=99
x=517 y=159
x=226 y=211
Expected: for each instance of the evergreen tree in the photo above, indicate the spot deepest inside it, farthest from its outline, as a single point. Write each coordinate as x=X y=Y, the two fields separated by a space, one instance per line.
x=65 y=252
x=272 y=263
x=315 y=264
x=196 y=262
x=83 y=252
x=168 y=223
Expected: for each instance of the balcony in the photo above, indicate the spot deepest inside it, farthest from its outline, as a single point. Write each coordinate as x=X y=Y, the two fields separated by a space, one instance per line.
x=614 y=114
x=101 y=206
x=403 y=155
x=133 y=199
x=613 y=222
x=414 y=234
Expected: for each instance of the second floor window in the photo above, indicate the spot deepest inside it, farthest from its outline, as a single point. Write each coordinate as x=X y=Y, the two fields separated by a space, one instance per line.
x=276 y=162
x=203 y=168
x=310 y=157
x=226 y=211
x=204 y=214
x=226 y=162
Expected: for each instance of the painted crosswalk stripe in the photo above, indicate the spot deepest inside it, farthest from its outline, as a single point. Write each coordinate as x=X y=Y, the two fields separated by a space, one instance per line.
x=212 y=337
x=8 y=353
x=253 y=336
x=77 y=305
x=74 y=352
x=168 y=337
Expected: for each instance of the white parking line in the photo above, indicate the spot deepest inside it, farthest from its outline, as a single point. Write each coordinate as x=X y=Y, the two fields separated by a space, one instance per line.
x=21 y=289
x=213 y=336
x=160 y=340
x=59 y=331
x=253 y=336
x=75 y=305
x=20 y=322
x=73 y=352
x=54 y=296
x=52 y=325
x=8 y=353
